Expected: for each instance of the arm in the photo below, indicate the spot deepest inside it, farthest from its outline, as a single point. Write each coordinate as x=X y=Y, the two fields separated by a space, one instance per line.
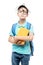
x=15 y=39
x=12 y=39
x=25 y=38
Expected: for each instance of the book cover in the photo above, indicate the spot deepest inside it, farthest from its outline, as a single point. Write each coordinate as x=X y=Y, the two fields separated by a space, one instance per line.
x=23 y=32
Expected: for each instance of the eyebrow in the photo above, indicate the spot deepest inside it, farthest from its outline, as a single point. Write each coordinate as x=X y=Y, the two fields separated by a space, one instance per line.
x=24 y=10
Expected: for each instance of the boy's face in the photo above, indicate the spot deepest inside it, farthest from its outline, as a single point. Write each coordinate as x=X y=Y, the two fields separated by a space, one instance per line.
x=22 y=13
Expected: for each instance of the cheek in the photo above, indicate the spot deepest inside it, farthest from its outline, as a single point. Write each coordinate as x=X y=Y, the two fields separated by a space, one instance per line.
x=25 y=15
x=19 y=14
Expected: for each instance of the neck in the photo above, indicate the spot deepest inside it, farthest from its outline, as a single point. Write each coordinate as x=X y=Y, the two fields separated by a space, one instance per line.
x=21 y=21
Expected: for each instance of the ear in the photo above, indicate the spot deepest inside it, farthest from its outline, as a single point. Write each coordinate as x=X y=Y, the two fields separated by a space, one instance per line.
x=27 y=14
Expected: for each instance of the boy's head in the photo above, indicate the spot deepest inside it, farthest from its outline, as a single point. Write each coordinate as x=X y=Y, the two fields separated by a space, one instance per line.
x=22 y=12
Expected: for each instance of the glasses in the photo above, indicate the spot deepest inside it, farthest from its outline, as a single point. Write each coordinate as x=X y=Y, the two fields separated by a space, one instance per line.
x=25 y=12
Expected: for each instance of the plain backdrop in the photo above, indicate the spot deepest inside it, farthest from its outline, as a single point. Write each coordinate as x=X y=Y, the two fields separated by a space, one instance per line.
x=8 y=16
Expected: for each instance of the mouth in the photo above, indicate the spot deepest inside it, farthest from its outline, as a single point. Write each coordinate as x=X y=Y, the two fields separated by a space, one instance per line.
x=22 y=15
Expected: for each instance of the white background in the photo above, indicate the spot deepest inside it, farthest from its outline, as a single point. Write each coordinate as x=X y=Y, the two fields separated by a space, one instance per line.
x=8 y=16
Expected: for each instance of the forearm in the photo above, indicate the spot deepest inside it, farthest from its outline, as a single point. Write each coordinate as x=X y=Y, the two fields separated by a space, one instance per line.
x=22 y=37
x=25 y=38
x=12 y=39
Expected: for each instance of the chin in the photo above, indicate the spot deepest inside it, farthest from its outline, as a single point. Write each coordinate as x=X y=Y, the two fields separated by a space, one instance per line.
x=23 y=18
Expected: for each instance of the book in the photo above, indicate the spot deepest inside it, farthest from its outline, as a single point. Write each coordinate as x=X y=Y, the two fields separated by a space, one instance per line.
x=23 y=32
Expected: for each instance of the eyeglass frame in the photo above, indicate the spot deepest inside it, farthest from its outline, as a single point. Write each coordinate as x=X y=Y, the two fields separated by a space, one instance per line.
x=23 y=12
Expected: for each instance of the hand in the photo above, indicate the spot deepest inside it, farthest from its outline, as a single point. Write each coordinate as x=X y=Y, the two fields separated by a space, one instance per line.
x=20 y=42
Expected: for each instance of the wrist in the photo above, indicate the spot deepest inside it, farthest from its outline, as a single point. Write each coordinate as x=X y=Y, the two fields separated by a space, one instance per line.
x=16 y=37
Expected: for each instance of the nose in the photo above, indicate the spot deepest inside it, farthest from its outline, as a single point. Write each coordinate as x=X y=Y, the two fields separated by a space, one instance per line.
x=22 y=12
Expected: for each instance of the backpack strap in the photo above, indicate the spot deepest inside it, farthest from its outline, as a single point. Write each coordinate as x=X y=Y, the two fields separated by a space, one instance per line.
x=28 y=25
x=31 y=42
x=13 y=28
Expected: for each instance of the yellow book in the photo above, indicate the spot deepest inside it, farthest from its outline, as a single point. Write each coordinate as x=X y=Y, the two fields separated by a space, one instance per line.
x=23 y=32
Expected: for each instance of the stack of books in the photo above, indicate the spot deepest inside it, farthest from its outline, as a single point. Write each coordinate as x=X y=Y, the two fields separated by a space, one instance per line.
x=23 y=32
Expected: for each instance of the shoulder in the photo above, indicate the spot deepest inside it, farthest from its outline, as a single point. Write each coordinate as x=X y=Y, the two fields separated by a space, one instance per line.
x=14 y=25
x=29 y=24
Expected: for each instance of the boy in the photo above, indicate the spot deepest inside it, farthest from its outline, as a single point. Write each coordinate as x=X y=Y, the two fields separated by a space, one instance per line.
x=21 y=52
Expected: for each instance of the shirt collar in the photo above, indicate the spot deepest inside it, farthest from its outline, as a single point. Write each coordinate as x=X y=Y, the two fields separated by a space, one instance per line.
x=22 y=24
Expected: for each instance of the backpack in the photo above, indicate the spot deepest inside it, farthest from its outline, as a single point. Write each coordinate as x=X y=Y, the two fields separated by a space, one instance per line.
x=31 y=42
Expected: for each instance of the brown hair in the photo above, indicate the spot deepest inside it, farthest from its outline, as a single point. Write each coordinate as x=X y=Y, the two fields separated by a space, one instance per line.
x=23 y=7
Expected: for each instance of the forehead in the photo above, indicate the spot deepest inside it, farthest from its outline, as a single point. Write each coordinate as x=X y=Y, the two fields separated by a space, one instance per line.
x=22 y=8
